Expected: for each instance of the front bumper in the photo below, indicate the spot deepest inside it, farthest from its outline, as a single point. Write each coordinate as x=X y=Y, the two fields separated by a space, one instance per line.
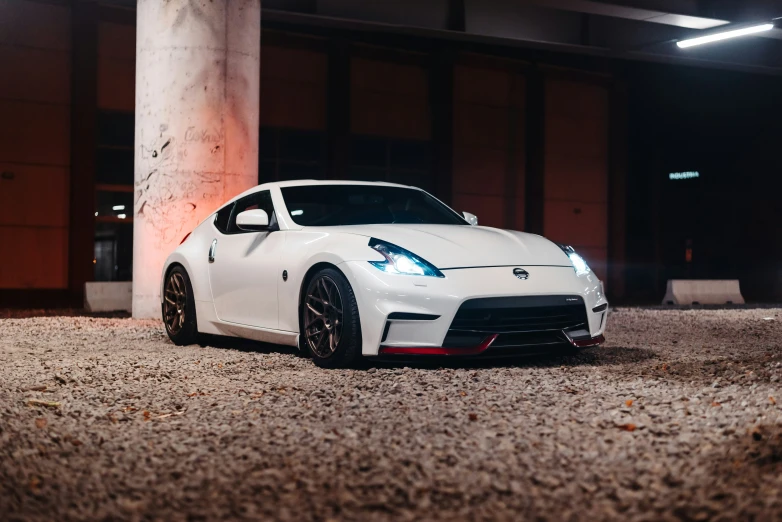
x=403 y=313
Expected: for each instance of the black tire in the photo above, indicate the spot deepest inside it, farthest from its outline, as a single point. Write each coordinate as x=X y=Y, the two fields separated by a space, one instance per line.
x=330 y=325
x=179 y=311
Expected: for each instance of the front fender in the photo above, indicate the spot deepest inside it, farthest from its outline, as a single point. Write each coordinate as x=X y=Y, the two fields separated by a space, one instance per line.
x=303 y=250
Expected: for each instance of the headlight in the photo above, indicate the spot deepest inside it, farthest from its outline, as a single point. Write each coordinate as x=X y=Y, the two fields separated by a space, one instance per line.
x=579 y=265
x=400 y=261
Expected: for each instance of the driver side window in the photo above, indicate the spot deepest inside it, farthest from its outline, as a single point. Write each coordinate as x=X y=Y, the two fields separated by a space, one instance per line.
x=258 y=200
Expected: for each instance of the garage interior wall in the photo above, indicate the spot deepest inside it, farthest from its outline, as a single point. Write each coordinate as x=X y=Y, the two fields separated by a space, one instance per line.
x=116 y=77
x=489 y=138
x=35 y=40
x=576 y=168
x=293 y=107
x=388 y=117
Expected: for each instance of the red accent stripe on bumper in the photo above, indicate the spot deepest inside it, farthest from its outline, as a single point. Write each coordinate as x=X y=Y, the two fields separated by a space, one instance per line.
x=438 y=350
x=583 y=343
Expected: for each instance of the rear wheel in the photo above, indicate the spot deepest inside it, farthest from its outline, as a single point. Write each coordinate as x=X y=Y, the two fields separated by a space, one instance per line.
x=331 y=331
x=179 y=313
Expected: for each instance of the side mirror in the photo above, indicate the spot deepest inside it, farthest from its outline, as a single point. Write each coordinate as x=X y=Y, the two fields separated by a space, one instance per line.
x=255 y=220
x=471 y=218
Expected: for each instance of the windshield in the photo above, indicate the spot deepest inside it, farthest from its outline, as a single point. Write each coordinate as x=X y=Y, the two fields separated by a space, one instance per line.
x=333 y=205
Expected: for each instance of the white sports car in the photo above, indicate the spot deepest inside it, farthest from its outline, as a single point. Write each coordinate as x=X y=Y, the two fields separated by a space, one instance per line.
x=342 y=269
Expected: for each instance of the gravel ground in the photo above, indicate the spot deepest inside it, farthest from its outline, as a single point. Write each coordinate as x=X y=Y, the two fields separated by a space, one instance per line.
x=677 y=417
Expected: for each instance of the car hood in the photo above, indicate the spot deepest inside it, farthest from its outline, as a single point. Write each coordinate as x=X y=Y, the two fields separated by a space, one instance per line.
x=457 y=246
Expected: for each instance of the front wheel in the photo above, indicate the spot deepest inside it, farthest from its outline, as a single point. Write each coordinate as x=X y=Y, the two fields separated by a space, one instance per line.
x=331 y=329
x=179 y=313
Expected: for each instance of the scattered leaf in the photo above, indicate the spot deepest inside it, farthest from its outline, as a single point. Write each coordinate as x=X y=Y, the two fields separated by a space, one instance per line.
x=463 y=394
x=35 y=483
x=219 y=365
x=473 y=417
x=627 y=427
x=629 y=402
x=715 y=403
x=665 y=367
x=112 y=418
x=170 y=415
x=40 y=423
x=76 y=442
x=146 y=415
x=45 y=404
x=772 y=400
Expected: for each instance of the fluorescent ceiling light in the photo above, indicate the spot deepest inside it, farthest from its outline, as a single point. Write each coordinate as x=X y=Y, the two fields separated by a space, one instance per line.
x=723 y=36
x=121 y=216
x=118 y=207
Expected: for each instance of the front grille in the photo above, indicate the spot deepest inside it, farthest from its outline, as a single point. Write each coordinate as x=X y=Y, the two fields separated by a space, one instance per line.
x=520 y=321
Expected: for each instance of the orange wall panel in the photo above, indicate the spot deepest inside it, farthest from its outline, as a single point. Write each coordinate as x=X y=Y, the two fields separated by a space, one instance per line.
x=299 y=106
x=576 y=100
x=385 y=114
x=479 y=171
x=293 y=65
x=482 y=86
x=576 y=223
x=116 y=84
x=489 y=139
x=480 y=125
x=35 y=98
x=389 y=99
x=293 y=88
x=117 y=41
x=35 y=24
x=489 y=209
x=398 y=79
x=35 y=75
x=39 y=260
x=116 y=67
x=34 y=133
x=36 y=196
x=576 y=179
x=576 y=168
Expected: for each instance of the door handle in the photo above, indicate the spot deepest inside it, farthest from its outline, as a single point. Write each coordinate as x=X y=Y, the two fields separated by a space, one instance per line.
x=212 y=251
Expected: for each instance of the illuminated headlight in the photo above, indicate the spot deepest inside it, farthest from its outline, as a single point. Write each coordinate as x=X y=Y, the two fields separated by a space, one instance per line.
x=579 y=265
x=400 y=261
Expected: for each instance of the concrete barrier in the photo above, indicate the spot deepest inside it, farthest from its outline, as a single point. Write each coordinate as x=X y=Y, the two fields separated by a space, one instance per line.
x=108 y=296
x=706 y=291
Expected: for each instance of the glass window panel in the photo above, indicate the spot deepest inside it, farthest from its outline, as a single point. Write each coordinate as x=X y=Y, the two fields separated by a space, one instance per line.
x=366 y=174
x=301 y=145
x=409 y=155
x=290 y=171
x=114 y=205
x=267 y=144
x=368 y=151
x=420 y=179
x=114 y=166
x=113 y=251
x=116 y=129
x=267 y=171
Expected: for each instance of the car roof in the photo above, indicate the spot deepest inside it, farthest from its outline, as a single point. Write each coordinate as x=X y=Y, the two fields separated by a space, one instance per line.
x=312 y=182
x=308 y=182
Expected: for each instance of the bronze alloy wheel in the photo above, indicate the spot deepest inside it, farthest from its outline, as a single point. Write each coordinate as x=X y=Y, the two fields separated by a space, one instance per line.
x=323 y=318
x=175 y=306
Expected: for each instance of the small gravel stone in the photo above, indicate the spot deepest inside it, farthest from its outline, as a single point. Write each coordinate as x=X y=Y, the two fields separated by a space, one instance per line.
x=672 y=419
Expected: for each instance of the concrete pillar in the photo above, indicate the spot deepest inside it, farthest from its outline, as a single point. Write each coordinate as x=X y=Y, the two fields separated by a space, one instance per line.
x=197 y=95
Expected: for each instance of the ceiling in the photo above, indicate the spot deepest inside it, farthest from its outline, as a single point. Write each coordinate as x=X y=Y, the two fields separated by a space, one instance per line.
x=625 y=29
